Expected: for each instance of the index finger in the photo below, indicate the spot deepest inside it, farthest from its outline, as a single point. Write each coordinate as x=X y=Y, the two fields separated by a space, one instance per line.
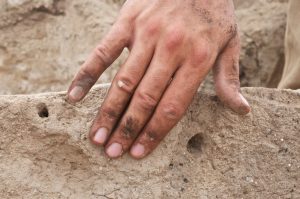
x=100 y=59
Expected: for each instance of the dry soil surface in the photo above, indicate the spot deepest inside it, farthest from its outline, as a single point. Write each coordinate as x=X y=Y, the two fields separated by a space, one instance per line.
x=212 y=153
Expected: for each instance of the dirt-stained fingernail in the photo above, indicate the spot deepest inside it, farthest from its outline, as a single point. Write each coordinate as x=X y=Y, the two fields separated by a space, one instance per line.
x=76 y=93
x=138 y=151
x=101 y=135
x=115 y=150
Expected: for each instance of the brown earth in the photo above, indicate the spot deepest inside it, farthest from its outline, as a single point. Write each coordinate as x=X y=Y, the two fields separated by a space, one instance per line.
x=212 y=153
x=43 y=43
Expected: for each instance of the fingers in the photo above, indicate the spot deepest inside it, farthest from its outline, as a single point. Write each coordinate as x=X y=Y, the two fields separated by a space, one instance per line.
x=226 y=77
x=169 y=111
x=102 y=57
x=122 y=88
x=143 y=103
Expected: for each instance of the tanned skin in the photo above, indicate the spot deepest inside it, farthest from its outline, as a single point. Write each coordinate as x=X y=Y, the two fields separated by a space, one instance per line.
x=173 y=45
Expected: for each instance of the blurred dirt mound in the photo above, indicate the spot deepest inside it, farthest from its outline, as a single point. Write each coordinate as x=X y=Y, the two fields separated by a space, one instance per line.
x=212 y=153
x=43 y=42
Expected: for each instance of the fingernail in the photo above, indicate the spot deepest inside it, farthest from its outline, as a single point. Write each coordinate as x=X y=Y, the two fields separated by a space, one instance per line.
x=101 y=136
x=76 y=93
x=138 y=150
x=244 y=100
x=114 y=150
x=246 y=108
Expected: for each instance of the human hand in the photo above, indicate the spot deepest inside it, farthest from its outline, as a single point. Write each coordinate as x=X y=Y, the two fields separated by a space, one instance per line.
x=173 y=45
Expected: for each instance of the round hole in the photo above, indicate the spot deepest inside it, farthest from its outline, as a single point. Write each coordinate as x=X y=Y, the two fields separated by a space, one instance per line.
x=195 y=144
x=42 y=110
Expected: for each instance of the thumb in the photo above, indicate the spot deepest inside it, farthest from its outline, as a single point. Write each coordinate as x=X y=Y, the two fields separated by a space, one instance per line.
x=226 y=78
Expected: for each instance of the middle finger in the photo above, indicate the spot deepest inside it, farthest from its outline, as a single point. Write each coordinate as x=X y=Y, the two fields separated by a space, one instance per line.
x=121 y=90
x=144 y=101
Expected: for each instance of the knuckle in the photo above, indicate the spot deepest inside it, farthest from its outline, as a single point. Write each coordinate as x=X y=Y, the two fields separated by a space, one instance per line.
x=171 y=111
x=109 y=113
x=201 y=54
x=102 y=52
x=174 y=37
x=232 y=76
x=130 y=127
x=146 y=100
x=152 y=27
x=85 y=78
x=153 y=136
x=233 y=81
x=230 y=83
x=126 y=83
x=121 y=32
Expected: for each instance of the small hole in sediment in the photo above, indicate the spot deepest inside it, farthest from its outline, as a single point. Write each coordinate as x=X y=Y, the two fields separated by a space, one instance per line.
x=42 y=110
x=195 y=144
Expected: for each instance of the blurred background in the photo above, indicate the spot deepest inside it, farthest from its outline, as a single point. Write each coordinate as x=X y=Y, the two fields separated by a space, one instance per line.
x=44 y=42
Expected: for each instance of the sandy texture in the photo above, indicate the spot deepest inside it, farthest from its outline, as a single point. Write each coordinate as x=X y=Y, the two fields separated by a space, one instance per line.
x=44 y=151
x=212 y=153
x=43 y=42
